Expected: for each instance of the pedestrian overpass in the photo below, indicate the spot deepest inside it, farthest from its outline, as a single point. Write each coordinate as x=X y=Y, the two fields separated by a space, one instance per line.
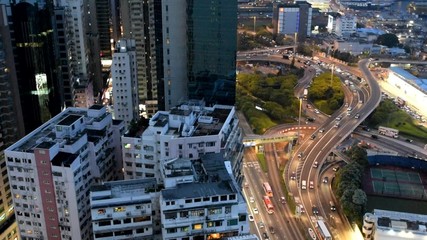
x=253 y=140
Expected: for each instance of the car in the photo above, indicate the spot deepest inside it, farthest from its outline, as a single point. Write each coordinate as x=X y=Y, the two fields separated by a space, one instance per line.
x=321 y=130
x=311 y=185
x=337 y=124
x=246 y=185
x=261 y=224
x=265 y=236
x=293 y=176
x=366 y=128
x=313 y=137
x=325 y=180
x=357 y=116
x=255 y=210
x=310 y=119
x=374 y=136
x=333 y=208
x=300 y=154
x=251 y=218
x=315 y=164
x=348 y=113
x=301 y=208
x=346 y=104
x=409 y=140
x=316 y=111
x=272 y=231
x=315 y=210
x=335 y=169
x=283 y=200
x=251 y=199
x=349 y=109
x=338 y=119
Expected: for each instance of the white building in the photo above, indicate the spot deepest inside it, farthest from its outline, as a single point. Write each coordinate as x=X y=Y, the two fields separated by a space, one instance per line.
x=354 y=47
x=125 y=89
x=391 y=225
x=409 y=88
x=123 y=209
x=187 y=131
x=341 y=25
x=52 y=168
x=203 y=201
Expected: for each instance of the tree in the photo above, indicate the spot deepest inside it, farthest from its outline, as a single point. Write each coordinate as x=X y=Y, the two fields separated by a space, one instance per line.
x=389 y=39
x=359 y=197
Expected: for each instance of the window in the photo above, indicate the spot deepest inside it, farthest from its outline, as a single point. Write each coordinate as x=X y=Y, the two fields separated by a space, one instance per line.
x=224 y=198
x=119 y=209
x=128 y=146
x=232 y=222
x=188 y=200
x=197 y=226
x=214 y=199
x=214 y=211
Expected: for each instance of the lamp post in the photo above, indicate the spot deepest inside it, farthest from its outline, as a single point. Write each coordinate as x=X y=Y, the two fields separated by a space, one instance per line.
x=332 y=73
x=299 y=118
x=254 y=24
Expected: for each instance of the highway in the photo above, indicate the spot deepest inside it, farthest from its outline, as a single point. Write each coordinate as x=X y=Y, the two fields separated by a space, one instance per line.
x=363 y=98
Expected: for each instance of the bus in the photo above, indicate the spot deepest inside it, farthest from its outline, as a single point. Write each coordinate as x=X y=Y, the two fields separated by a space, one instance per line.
x=323 y=230
x=268 y=205
x=389 y=132
x=267 y=189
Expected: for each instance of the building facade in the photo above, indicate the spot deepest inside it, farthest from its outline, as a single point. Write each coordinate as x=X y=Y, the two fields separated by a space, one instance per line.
x=124 y=209
x=293 y=19
x=341 y=25
x=125 y=88
x=202 y=200
x=52 y=169
x=187 y=131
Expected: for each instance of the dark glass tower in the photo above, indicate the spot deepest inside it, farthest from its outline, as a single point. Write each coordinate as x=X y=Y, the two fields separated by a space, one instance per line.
x=36 y=68
x=211 y=31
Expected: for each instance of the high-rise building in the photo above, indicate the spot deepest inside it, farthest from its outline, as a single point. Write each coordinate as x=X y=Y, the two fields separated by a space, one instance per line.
x=199 y=63
x=11 y=126
x=140 y=21
x=123 y=73
x=200 y=199
x=293 y=19
x=52 y=168
x=40 y=86
x=187 y=131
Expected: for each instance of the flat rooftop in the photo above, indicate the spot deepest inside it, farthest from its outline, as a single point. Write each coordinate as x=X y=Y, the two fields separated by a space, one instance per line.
x=400 y=221
x=64 y=159
x=69 y=120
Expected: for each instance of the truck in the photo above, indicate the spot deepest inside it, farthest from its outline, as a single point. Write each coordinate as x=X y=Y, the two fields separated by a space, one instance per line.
x=305 y=93
x=389 y=132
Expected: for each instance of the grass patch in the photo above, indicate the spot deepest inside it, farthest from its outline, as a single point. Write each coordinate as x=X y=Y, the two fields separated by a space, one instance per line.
x=406 y=125
x=248 y=23
x=289 y=199
x=262 y=162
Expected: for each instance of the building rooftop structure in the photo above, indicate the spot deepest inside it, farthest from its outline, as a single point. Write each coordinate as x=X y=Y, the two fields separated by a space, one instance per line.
x=212 y=178
x=411 y=79
x=393 y=225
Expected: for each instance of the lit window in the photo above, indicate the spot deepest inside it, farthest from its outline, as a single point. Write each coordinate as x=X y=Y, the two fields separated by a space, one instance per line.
x=128 y=145
x=119 y=209
x=197 y=226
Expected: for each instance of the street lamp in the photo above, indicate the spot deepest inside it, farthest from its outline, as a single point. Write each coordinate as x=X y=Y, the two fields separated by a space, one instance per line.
x=254 y=24
x=332 y=73
x=299 y=119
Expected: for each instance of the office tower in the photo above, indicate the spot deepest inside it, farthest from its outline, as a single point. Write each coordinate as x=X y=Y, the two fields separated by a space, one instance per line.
x=199 y=63
x=11 y=126
x=293 y=19
x=52 y=168
x=35 y=61
x=187 y=131
x=202 y=200
x=123 y=72
x=140 y=21
x=124 y=209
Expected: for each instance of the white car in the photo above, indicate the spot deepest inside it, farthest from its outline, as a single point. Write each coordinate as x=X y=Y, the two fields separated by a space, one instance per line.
x=255 y=211
x=251 y=199
x=315 y=164
x=316 y=111
x=251 y=218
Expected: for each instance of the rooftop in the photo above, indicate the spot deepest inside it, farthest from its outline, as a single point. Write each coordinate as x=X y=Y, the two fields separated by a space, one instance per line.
x=96 y=107
x=213 y=180
x=411 y=79
x=69 y=120
x=64 y=159
x=401 y=221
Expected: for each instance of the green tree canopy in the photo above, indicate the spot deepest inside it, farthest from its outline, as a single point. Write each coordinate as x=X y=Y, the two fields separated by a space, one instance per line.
x=388 y=39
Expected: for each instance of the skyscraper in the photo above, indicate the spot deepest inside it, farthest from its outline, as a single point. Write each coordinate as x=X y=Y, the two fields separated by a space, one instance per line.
x=211 y=33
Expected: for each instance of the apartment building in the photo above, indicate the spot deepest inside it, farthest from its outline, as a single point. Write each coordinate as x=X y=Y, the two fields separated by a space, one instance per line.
x=52 y=169
x=341 y=25
x=124 y=72
x=124 y=209
x=203 y=201
x=187 y=131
